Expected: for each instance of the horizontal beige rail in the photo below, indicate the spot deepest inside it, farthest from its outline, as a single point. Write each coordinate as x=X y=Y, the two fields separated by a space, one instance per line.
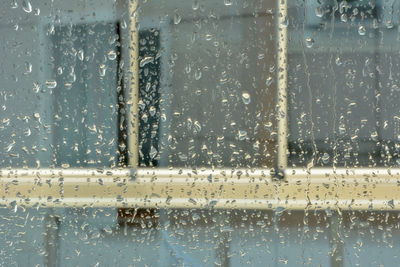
x=358 y=189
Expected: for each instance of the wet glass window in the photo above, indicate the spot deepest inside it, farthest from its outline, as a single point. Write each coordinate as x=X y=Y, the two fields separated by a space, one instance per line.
x=199 y=133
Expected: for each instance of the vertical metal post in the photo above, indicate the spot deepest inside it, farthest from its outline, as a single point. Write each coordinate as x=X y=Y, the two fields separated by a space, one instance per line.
x=282 y=115
x=133 y=94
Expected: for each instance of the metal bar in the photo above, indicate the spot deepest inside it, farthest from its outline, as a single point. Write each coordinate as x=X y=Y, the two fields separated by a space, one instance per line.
x=133 y=95
x=356 y=189
x=282 y=115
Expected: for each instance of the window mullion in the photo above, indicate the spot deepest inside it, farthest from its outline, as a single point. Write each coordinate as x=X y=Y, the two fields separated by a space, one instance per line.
x=282 y=115
x=133 y=94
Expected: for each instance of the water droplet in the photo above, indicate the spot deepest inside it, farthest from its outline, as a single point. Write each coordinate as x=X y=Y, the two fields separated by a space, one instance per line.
x=338 y=61
x=124 y=25
x=68 y=85
x=10 y=146
x=375 y=24
x=325 y=158
x=362 y=30
x=319 y=12
x=65 y=165
x=28 y=68
x=183 y=157
x=14 y=206
x=144 y=117
x=163 y=117
x=112 y=55
x=195 y=4
x=177 y=18
x=14 y=4
x=246 y=98
x=279 y=211
x=197 y=127
x=374 y=136
x=389 y=24
x=228 y=2
x=102 y=70
x=242 y=134
x=27 y=132
x=59 y=70
x=51 y=84
x=269 y=81
x=309 y=42
x=328 y=212
x=26 y=6
x=285 y=22
x=188 y=68
x=152 y=111
x=81 y=55
x=197 y=74
x=342 y=129
x=343 y=18
x=146 y=60
x=36 y=87
x=153 y=152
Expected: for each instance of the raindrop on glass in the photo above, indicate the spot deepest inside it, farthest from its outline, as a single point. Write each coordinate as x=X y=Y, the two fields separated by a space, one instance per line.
x=163 y=117
x=242 y=134
x=197 y=74
x=309 y=42
x=269 y=81
x=112 y=55
x=14 y=4
x=343 y=18
x=177 y=18
x=228 y=2
x=26 y=6
x=153 y=152
x=36 y=87
x=80 y=55
x=152 y=111
x=246 y=98
x=145 y=61
x=195 y=4
x=325 y=158
x=51 y=84
x=319 y=12
x=197 y=126
x=27 y=132
x=374 y=136
x=362 y=30
x=102 y=70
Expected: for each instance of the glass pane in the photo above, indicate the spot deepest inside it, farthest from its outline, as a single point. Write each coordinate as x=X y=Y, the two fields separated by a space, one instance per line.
x=72 y=236
x=343 y=95
x=207 y=84
x=59 y=86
